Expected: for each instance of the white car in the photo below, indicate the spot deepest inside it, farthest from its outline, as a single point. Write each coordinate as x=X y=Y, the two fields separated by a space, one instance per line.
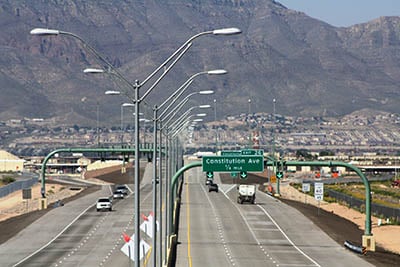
x=104 y=203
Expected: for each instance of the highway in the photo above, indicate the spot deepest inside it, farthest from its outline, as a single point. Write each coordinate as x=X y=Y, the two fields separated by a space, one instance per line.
x=76 y=234
x=214 y=230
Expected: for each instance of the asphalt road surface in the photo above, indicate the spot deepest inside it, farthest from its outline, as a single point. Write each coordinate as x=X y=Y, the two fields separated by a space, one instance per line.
x=214 y=230
x=75 y=234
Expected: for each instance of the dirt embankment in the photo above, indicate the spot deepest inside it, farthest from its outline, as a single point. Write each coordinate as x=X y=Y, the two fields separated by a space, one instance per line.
x=386 y=236
x=14 y=205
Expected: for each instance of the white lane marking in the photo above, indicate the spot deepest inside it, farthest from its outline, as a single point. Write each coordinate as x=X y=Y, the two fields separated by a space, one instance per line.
x=220 y=229
x=121 y=237
x=230 y=188
x=280 y=229
x=129 y=188
x=52 y=240
x=284 y=234
x=244 y=219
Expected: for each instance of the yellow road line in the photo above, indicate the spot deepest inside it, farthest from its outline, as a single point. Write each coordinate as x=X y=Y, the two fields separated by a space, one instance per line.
x=188 y=224
x=146 y=260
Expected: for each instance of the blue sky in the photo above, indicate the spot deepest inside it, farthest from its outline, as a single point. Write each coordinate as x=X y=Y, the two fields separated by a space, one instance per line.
x=343 y=13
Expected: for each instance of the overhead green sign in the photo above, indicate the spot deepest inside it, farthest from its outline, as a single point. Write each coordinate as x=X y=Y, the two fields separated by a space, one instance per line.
x=231 y=153
x=253 y=152
x=233 y=163
x=244 y=152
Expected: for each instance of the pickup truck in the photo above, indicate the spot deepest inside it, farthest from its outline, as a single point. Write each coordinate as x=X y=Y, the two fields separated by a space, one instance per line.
x=246 y=193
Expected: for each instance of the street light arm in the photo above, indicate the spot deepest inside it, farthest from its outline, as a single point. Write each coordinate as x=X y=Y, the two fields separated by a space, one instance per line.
x=110 y=67
x=181 y=118
x=175 y=97
x=179 y=106
x=164 y=73
x=182 y=47
x=45 y=32
x=180 y=128
x=178 y=93
x=174 y=111
x=182 y=50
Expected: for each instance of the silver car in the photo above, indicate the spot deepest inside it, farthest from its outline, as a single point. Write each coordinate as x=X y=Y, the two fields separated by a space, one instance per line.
x=118 y=194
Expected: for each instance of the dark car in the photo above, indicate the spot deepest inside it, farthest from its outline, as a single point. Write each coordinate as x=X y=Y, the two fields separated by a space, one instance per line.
x=212 y=187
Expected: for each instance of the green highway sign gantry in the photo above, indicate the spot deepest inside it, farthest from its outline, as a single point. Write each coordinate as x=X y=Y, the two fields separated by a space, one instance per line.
x=253 y=152
x=244 y=152
x=233 y=163
x=231 y=153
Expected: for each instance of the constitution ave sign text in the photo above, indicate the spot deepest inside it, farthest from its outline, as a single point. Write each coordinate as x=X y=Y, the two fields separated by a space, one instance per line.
x=233 y=163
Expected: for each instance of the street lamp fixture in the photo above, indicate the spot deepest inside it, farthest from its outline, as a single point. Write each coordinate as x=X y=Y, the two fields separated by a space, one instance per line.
x=93 y=70
x=205 y=106
x=128 y=105
x=206 y=92
x=111 y=92
x=227 y=31
x=217 y=72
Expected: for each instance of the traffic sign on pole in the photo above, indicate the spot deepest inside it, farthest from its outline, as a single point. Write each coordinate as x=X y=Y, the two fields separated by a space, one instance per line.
x=319 y=191
x=243 y=175
x=233 y=163
x=210 y=175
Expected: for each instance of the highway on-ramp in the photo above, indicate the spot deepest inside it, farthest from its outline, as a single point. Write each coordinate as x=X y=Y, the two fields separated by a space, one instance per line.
x=214 y=230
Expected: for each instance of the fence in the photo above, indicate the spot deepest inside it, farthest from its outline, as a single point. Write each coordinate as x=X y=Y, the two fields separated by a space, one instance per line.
x=15 y=186
x=376 y=209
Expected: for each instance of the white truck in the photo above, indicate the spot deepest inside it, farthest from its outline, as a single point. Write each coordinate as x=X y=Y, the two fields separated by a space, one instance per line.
x=246 y=193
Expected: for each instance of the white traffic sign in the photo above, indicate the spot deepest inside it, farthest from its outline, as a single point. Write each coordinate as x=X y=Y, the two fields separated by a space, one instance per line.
x=319 y=191
x=129 y=248
x=306 y=187
x=319 y=197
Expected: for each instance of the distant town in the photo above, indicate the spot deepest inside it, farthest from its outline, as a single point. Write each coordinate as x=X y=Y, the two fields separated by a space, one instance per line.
x=354 y=134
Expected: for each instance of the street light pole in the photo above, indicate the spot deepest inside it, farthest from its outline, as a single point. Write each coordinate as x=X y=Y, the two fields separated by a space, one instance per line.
x=137 y=180
x=122 y=119
x=273 y=147
x=249 y=106
x=216 y=125
x=137 y=100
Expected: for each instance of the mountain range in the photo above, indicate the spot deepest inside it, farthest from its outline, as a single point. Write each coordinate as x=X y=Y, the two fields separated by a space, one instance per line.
x=309 y=67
